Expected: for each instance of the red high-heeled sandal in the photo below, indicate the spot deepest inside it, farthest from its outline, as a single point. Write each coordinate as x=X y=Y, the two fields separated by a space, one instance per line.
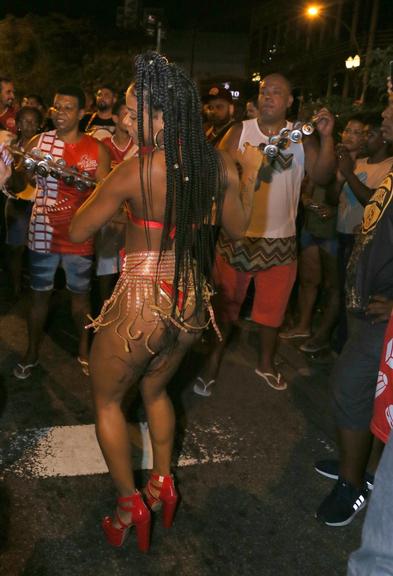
x=160 y=492
x=140 y=518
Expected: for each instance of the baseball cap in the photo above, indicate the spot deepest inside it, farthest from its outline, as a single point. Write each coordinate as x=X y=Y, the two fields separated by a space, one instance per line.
x=216 y=92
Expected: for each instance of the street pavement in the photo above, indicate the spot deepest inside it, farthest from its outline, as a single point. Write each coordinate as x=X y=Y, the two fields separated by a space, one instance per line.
x=243 y=465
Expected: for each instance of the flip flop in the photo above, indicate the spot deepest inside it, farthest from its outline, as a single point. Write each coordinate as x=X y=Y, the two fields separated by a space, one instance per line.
x=23 y=371
x=84 y=365
x=291 y=335
x=202 y=388
x=313 y=347
x=276 y=382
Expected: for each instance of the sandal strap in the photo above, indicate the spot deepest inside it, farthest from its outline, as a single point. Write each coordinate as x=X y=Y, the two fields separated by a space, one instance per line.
x=205 y=384
x=128 y=500
x=120 y=521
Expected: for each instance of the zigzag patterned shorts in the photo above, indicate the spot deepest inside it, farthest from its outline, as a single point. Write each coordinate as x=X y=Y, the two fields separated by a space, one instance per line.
x=273 y=287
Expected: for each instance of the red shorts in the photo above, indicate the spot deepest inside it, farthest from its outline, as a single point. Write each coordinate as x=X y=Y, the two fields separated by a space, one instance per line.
x=272 y=290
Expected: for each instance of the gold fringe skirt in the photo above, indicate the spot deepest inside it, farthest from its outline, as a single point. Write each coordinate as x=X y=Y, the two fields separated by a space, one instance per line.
x=146 y=282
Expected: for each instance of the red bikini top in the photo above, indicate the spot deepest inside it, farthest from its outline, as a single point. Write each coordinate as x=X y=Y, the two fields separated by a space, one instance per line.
x=151 y=224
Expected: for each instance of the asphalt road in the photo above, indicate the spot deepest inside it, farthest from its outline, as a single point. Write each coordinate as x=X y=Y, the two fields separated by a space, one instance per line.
x=243 y=464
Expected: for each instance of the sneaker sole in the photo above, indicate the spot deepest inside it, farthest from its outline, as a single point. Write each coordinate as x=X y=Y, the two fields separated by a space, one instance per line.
x=326 y=474
x=370 y=486
x=344 y=522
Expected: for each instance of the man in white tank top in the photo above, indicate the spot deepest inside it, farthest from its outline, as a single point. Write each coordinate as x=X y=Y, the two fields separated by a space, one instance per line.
x=268 y=252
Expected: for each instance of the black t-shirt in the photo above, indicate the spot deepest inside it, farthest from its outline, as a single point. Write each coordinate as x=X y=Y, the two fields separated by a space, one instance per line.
x=370 y=269
x=90 y=120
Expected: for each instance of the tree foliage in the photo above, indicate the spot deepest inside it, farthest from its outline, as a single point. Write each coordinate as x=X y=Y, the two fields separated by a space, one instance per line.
x=42 y=53
x=379 y=69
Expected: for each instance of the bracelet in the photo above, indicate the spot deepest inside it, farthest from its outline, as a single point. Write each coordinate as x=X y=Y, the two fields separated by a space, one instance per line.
x=6 y=193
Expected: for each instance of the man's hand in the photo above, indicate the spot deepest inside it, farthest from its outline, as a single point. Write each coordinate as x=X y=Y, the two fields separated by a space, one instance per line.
x=325 y=122
x=379 y=309
x=345 y=163
x=323 y=211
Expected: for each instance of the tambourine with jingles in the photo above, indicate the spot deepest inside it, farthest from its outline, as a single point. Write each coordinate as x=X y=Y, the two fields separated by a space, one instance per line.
x=281 y=140
x=38 y=162
x=273 y=150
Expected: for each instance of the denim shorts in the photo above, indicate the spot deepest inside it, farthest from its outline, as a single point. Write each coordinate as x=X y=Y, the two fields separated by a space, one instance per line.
x=78 y=271
x=329 y=245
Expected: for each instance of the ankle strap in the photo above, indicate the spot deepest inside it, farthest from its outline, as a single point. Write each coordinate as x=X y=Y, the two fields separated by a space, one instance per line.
x=130 y=500
x=158 y=478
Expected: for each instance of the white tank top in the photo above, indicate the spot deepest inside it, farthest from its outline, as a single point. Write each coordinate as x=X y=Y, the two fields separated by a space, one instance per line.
x=276 y=202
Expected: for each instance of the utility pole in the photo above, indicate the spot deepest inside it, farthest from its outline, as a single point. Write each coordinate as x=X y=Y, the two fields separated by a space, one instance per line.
x=353 y=42
x=370 y=45
x=332 y=67
x=159 y=34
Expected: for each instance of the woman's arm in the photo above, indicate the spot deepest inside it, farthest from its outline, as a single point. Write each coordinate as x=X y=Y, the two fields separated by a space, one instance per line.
x=105 y=201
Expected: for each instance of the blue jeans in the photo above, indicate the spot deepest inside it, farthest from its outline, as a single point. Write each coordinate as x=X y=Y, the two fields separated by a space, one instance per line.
x=78 y=271
x=375 y=555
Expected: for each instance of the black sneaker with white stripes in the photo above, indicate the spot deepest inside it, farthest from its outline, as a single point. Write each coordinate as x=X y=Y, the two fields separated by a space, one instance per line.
x=329 y=469
x=343 y=503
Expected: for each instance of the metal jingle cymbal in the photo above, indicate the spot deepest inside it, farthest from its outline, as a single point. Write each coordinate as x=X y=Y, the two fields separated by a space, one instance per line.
x=296 y=136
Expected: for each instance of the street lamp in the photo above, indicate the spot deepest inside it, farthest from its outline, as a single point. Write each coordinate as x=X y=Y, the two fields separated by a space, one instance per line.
x=352 y=62
x=313 y=11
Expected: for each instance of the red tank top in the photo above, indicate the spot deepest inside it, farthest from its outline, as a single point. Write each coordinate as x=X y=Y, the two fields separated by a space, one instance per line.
x=57 y=203
x=117 y=154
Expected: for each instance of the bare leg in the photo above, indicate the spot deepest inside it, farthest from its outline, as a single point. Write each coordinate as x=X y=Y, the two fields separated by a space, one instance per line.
x=310 y=278
x=37 y=315
x=80 y=304
x=217 y=348
x=268 y=345
x=332 y=297
x=113 y=371
x=111 y=377
x=14 y=265
x=158 y=406
x=375 y=455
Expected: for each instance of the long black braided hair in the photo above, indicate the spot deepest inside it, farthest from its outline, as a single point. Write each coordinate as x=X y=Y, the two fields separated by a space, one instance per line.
x=195 y=173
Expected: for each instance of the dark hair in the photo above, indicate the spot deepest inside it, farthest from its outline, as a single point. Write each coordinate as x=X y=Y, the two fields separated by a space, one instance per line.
x=38 y=99
x=253 y=100
x=360 y=117
x=373 y=119
x=5 y=79
x=74 y=91
x=29 y=110
x=106 y=87
x=117 y=106
x=194 y=170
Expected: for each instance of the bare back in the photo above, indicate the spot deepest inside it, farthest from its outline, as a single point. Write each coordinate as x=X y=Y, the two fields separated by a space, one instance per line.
x=124 y=184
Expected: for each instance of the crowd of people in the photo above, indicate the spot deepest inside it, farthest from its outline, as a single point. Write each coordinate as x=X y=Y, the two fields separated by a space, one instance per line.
x=178 y=208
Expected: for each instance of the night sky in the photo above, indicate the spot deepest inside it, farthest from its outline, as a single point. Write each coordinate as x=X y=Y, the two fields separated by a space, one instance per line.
x=209 y=15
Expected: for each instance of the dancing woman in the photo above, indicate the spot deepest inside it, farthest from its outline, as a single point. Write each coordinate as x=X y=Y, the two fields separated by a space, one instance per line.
x=161 y=302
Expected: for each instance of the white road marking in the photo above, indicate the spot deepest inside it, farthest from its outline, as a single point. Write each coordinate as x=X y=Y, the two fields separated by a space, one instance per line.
x=74 y=451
